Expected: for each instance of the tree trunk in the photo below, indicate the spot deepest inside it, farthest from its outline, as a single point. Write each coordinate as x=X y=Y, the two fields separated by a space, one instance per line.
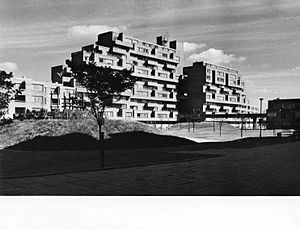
x=101 y=145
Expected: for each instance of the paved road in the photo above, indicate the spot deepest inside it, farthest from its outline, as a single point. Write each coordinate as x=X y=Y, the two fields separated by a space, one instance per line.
x=265 y=170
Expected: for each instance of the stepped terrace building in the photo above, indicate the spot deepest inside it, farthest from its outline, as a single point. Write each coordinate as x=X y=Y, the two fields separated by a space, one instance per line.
x=212 y=89
x=157 y=67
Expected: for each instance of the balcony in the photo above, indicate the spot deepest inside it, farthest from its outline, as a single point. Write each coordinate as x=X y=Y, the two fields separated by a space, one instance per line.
x=137 y=73
x=128 y=92
x=169 y=66
x=170 y=106
x=151 y=104
x=210 y=88
x=151 y=63
x=117 y=50
x=213 y=107
x=151 y=83
x=169 y=86
x=122 y=102
x=237 y=91
x=124 y=44
x=153 y=55
x=226 y=90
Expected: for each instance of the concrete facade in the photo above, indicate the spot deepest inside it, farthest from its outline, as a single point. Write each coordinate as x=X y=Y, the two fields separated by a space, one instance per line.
x=164 y=88
x=157 y=67
x=208 y=88
x=37 y=95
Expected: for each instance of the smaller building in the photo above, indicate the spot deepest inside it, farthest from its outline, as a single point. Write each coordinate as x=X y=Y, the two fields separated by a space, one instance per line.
x=38 y=95
x=283 y=114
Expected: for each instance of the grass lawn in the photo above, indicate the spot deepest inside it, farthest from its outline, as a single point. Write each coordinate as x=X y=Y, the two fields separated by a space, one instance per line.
x=20 y=131
x=205 y=131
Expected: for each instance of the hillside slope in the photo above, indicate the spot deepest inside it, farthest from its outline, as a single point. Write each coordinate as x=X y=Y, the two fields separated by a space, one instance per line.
x=21 y=131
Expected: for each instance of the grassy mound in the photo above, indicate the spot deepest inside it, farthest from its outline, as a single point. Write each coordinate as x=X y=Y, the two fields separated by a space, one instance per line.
x=21 y=131
x=80 y=141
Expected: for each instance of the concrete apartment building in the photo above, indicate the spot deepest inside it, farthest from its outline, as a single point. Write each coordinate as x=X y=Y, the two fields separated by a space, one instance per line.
x=37 y=95
x=212 y=89
x=157 y=67
x=203 y=88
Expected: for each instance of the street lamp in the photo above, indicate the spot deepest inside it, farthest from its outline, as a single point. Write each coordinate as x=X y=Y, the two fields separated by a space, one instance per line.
x=260 y=111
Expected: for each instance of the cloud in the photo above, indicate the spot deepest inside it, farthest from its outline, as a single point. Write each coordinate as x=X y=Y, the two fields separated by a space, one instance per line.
x=272 y=75
x=189 y=46
x=84 y=31
x=216 y=56
x=272 y=84
x=9 y=66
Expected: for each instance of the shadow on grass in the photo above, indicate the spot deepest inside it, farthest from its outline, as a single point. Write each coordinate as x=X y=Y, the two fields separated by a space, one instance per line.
x=80 y=141
x=48 y=155
x=78 y=152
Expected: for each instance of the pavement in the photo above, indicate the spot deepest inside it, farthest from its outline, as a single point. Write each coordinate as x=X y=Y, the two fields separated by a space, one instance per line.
x=263 y=170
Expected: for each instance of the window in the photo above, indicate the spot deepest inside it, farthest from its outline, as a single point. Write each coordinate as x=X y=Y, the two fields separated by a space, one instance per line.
x=221 y=74
x=37 y=87
x=272 y=114
x=164 y=55
x=220 y=79
x=133 y=107
x=142 y=71
x=128 y=114
x=208 y=78
x=142 y=93
x=233 y=99
x=162 y=95
x=19 y=110
x=163 y=75
x=232 y=82
x=37 y=99
x=232 y=76
x=108 y=114
x=20 y=98
x=160 y=115
x=142 y=115
x=143 y=50
x=220 y=98
x=208 y=71
x=208 y=96
x=106 y=61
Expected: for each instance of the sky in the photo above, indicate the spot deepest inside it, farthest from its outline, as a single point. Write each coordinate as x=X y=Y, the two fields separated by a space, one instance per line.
x=260 y=38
